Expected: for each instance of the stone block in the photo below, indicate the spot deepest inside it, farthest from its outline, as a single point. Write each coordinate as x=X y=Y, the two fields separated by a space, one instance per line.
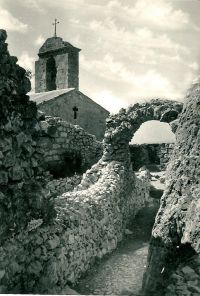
x=34 y=268
x=53 y=242
x=3 y=178
x=2 y=273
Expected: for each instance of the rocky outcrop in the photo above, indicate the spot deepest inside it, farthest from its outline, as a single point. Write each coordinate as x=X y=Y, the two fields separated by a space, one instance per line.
x=175 y=243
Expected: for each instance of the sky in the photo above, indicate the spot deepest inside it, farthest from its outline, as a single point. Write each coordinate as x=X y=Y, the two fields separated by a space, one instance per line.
x=132 y=50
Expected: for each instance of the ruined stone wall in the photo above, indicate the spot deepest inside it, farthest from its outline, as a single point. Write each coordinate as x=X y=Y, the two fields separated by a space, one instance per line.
x=62 y=185
x=173 y=259
x=21 y=177
x=121 y=127
x=44 y=246
x=148 y=154
x=65 y=144
x=90 y=222
x=185 y=279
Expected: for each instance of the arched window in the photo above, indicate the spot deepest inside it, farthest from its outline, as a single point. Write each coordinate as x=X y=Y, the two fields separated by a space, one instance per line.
x=51 y=74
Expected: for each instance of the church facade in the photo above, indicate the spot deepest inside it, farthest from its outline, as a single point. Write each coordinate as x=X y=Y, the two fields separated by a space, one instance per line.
x=74 y=107
x=57 y=88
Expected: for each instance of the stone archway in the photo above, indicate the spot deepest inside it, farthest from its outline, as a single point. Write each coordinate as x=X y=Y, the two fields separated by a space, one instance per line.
x=121 y=127
x=151 y=145
x=51 y=72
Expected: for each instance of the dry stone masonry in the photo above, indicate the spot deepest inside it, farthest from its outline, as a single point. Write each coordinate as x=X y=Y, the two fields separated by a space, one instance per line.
x=67 y=148
x=151 y=154
x=175 y=245
x=62 y=185
x=21 y=177
x=48 y=242
x=44 y=247
x=122 y=126
x=185 y=279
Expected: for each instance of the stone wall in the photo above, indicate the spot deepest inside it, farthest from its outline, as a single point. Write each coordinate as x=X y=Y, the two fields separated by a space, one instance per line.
x=67 y=148
x=185 y=280
x=45 y=245
x=22 y=194
x=148 y=154
x=90 y=222
x=62 y=185
x=176 y=235
x=121 y=127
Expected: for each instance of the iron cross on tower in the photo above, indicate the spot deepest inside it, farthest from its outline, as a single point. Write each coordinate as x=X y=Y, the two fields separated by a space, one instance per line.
x=55 y=24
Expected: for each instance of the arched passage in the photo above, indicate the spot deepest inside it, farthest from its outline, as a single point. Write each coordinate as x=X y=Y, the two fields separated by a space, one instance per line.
x=51 y=72
x=121 y=127
x=153 y=132
x=151 y=145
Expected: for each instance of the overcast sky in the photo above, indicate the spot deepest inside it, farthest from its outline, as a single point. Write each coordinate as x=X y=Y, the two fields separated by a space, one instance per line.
x=131 y=49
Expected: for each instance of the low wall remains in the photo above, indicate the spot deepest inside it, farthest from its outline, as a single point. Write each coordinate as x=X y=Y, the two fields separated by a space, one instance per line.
x=90 y=222
x=148 y=154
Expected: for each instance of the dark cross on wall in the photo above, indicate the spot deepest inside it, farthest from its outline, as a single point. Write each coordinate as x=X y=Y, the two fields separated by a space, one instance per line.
x=75 y=109
x=55 y=24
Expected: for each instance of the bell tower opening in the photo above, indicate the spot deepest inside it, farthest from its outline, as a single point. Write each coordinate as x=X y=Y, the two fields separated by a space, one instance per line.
x=58 y=65
x=51 y=72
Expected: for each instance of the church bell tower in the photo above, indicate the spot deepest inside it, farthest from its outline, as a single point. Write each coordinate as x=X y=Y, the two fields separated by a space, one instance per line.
x=58 y=65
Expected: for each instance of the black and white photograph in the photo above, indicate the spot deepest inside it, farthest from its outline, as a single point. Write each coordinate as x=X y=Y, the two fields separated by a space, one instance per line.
x=100 y=147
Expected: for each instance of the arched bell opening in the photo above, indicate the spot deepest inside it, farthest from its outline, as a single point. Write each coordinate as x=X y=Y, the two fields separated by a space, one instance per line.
x=51 y=73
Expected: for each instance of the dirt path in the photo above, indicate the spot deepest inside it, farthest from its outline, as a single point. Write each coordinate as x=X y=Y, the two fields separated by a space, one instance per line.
x=121 y=272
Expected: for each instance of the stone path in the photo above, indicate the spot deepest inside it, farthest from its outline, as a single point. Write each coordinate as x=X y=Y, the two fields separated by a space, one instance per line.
x=121 y=272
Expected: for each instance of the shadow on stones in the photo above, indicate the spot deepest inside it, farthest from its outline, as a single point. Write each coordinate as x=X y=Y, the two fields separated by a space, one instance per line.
x=72 y=164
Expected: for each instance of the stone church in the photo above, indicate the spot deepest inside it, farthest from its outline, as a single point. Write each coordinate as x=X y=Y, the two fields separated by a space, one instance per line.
x=57 y=87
